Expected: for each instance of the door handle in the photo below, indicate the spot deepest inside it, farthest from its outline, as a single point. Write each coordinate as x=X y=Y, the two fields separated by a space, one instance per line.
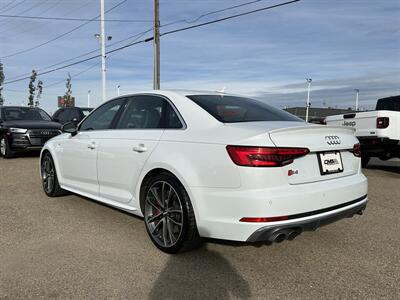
x=92 y=145
x=140 y=148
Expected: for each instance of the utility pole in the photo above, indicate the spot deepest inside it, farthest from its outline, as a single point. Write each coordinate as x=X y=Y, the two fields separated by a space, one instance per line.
x=156 y=79
x=309 y=80
x=118 y=89
x=357 y=92
x=103 y=52
x=88 y=98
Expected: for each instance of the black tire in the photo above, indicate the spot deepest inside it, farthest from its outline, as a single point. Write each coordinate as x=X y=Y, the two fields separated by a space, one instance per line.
x=49 y=177
x=365 y=160
x=5 y=151
x=181 y=238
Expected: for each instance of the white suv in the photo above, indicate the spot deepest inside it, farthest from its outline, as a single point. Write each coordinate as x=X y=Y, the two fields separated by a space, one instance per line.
x=201 y=164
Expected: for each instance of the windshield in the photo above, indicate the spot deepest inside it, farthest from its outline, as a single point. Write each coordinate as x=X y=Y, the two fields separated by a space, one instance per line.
x=25 y=114
x=232 y=109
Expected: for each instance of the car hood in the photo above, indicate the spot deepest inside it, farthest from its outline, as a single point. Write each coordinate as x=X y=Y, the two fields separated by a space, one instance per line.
x=34 y=124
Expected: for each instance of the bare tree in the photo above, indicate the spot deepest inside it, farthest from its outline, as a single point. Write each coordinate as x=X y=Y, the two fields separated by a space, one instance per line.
x=2 y=77
x=39 y=92
x=32 y=88
x=68 y=92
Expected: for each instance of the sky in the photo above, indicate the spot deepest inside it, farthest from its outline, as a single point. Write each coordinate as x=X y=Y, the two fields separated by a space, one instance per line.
x=342 y=45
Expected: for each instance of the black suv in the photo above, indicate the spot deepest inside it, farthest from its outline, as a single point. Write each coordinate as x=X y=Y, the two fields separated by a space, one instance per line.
x=24 y=129
x=71 y=114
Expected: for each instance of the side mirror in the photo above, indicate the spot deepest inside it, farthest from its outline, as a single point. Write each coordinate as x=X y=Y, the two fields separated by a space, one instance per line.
x=70 y=127
x=56 y=120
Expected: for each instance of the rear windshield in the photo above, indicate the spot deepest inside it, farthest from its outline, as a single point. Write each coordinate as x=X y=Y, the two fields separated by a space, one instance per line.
x=391 y=103
x=232 y=109
x=24 y=114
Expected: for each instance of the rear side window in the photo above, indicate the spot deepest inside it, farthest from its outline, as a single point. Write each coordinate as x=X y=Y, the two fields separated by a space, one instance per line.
x=64 y=116
x=232 y=109
x=390 y=103
x=75 y=114
x=148 y=112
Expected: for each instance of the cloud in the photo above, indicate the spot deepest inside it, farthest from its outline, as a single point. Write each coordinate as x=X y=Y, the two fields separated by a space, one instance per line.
x=342 y=45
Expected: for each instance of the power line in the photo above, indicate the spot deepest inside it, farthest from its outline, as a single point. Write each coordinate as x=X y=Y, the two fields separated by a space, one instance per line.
x=19 y=3
x=162 y=34
x=142 y=33
x=62 y=35
x=71 y=19
x=65 y=13
x=7 y=5
x=72 y=76
x=229 y=17
x=211 y=13
x=30 y=8
x=136 y=36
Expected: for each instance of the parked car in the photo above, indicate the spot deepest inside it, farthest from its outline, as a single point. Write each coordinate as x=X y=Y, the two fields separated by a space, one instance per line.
x=378 y=131
x=24 y=129
x=208 y=165
x=71 y=114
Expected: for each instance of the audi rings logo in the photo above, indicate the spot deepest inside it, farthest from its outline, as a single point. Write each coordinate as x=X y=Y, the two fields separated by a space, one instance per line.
x=332 y=140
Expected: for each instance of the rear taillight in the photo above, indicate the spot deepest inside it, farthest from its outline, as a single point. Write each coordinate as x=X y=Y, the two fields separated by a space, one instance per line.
x=261 y=220
x=264 y=156
x=357 y=150
x=382 y=122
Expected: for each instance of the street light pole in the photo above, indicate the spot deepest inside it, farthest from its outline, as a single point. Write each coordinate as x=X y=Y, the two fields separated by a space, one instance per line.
x=357 y=92
x=88 y=98
x=309 y=80
x=156 y=78
x=118 y=91
x=103 y=52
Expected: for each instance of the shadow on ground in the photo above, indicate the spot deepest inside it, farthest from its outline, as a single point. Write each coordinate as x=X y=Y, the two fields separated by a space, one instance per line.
x=199 y=274
x=392 y=169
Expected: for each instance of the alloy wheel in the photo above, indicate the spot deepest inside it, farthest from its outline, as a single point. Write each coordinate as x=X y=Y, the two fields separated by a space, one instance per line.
x=48 y=174
x=164 y=214
x=3 y=147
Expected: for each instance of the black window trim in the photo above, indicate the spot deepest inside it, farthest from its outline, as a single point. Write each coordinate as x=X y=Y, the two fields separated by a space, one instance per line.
x=172 y=105
x=114 y=120
x=117 y=117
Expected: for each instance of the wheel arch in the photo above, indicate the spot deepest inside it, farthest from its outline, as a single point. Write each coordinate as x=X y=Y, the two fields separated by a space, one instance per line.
x=151 y=173
x=47 y=149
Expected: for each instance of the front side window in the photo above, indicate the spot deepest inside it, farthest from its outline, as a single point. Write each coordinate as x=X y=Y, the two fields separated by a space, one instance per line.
x=25 y=114
x=103 y=116
x=232 y=109
x=148 y=112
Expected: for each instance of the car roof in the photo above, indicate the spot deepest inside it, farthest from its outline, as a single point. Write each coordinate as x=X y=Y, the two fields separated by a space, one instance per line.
x=15 y=106
x=180 y=92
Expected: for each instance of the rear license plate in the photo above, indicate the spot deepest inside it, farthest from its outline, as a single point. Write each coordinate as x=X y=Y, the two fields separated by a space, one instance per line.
x=330 y=162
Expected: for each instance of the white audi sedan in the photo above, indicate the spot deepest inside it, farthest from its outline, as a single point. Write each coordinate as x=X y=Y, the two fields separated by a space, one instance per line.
x=208 y=165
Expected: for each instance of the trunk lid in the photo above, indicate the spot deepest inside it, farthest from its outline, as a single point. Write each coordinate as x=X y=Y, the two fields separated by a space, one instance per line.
x=329 y=147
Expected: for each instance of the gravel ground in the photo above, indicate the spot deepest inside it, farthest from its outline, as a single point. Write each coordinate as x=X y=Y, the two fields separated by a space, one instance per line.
x=75 y=248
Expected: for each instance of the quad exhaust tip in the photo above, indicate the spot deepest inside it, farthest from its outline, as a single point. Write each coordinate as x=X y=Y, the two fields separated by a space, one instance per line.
x=284 y=234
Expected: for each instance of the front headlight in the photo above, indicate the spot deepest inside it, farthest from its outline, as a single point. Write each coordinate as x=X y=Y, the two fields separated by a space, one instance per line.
x=18 y=130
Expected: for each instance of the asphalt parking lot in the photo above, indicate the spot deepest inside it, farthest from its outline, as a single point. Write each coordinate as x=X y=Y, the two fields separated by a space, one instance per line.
x=75 y=248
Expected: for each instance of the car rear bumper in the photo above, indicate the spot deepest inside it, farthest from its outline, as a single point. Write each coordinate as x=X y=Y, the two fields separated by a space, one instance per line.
x=219 y=211
x=290 y=230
